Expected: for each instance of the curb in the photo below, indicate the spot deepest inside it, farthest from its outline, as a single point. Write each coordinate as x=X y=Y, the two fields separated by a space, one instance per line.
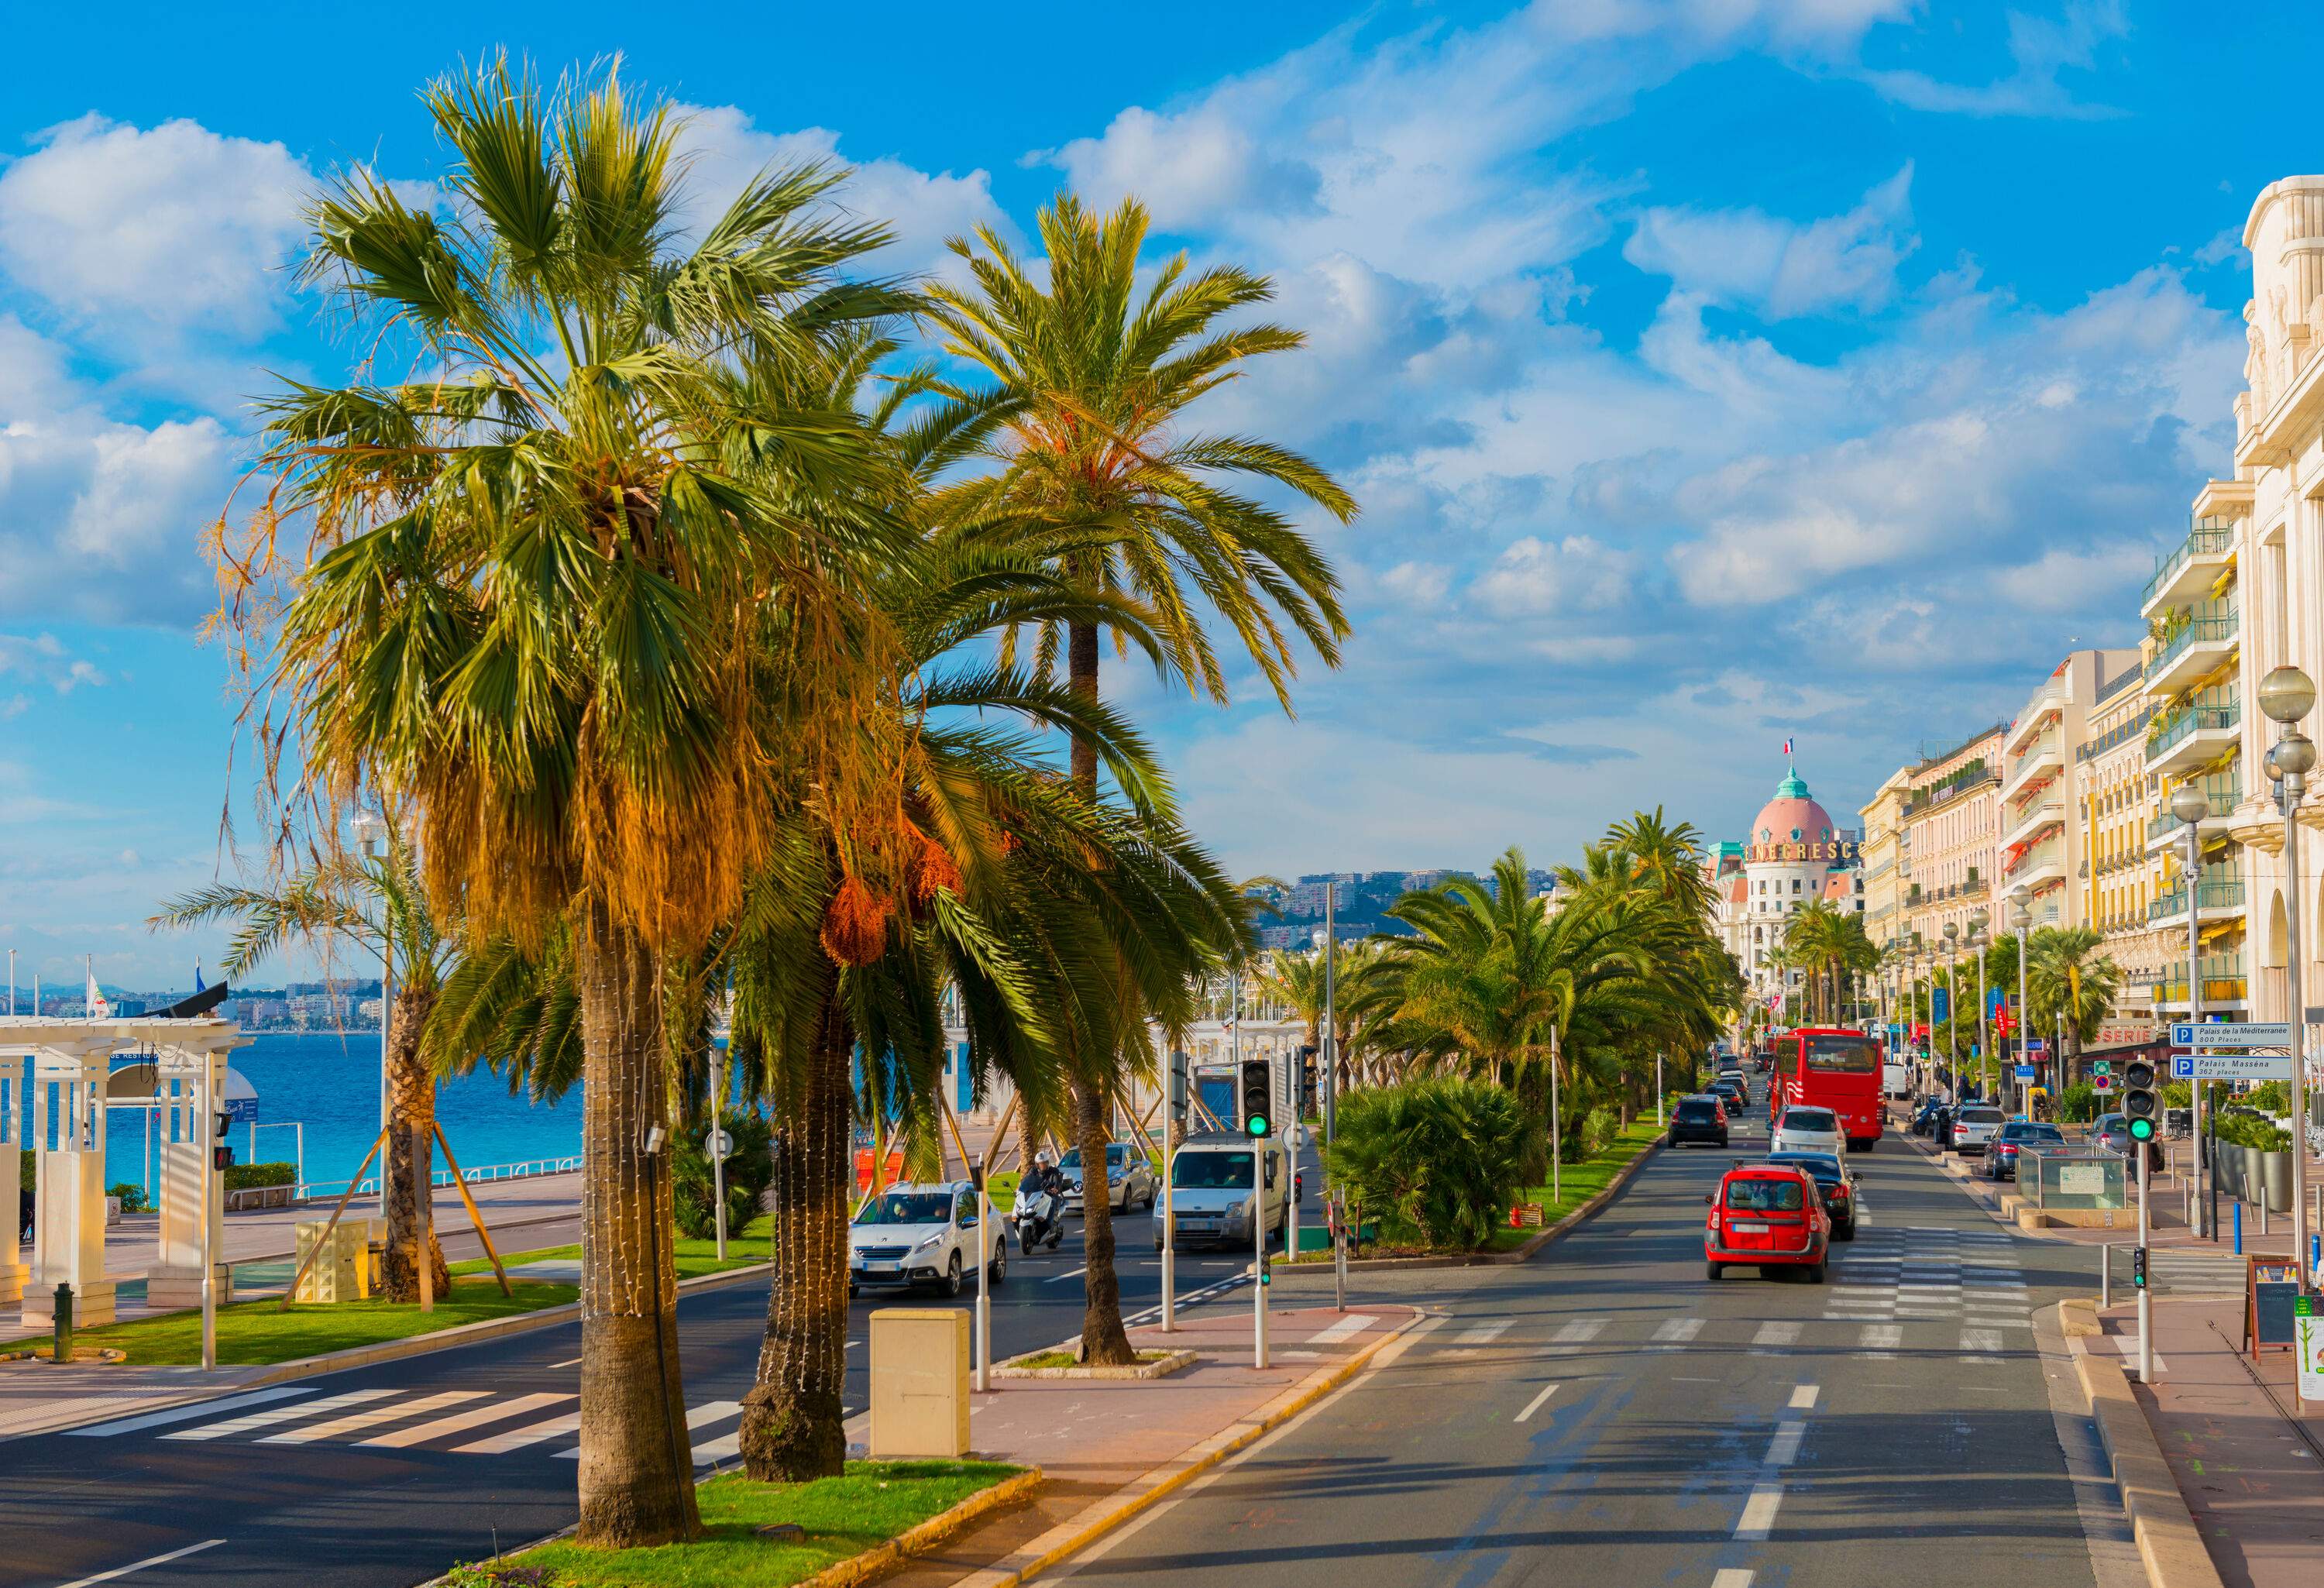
x=1160 y=1367
x=937 y=1530
x=364 y=1356
x=1103 y=1516
x=1534 y=1243
x=2169 y=1545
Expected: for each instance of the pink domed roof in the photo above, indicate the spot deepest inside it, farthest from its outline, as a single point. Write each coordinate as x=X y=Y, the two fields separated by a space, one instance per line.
x=1792 y=815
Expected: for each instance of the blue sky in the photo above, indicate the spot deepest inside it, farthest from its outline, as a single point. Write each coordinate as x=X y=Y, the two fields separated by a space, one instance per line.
x=1709 y=371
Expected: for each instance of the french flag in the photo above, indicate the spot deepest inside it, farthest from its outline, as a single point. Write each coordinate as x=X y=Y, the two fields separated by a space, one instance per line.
x=1788 y=747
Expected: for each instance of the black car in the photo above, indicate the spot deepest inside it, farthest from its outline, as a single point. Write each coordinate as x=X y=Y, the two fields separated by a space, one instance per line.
x=1727 y=1093
x=2001 y=1157
x=1837 y=1186
x=1699 y=1119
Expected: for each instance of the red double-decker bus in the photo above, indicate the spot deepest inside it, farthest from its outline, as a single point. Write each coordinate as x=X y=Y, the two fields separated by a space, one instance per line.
x=1830 y=1068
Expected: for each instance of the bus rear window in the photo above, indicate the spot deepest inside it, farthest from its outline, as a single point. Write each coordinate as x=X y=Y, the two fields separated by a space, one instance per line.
x=1848 y=1056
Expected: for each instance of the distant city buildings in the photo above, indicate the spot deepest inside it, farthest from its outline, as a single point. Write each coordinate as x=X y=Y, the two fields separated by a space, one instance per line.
x=1794 y=854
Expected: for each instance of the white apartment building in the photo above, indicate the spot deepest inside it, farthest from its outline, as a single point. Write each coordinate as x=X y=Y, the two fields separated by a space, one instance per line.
x=2042 y=844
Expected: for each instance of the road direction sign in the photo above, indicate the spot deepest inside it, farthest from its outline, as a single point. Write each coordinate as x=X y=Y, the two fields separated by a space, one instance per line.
x=2234 y=1066
x=2037 y=1044
x=2249 y=1034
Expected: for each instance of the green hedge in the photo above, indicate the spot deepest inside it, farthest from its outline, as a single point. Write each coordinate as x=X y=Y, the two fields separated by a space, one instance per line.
x=249 y=1177
x=2244 y=1131
x=1434 y=1159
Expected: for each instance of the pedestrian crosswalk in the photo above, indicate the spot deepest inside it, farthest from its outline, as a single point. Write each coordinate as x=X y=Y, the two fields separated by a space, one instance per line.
x=455 y=1422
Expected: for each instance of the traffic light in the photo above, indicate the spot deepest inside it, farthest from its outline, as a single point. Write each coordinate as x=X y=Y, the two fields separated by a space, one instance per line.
x=1177 y=1089
x=2138 y=1267
x=1308 y=1088
x=2139 y=1103
x=1257 y=1105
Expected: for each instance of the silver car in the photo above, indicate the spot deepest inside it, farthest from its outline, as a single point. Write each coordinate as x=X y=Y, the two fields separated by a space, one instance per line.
x=1130 y=1178
x=1976 y=1126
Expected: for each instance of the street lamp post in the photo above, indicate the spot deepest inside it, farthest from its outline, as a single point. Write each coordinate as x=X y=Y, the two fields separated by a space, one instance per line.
x=2285 y=695
x=1953 y=1046
x=1976 y=946
x=370 y=832
x=2021 y=916
x=2190 y=808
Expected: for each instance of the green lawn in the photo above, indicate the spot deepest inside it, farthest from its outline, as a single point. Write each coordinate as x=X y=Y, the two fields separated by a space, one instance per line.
x=256 y=1332
x=1581 y=1182
x=754 y=1245
x=843 y=1518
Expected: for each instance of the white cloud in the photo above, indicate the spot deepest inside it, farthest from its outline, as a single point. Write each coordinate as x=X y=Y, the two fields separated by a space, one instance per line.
x=174 y=227
x=1782 y=268
x=725 y=148
x=2039 y=49
x=1534 y=577
x=1418 y=584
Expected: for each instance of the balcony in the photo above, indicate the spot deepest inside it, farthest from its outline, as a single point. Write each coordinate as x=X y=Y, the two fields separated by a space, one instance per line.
x=2035 y=867
x=2223 y=791
x=2045 y=809
x=2202 y=644
x=2193 y=734
x=2187 y=571
x=2048 y=701
x=2046 y=753
x=2213 y=897
x=2224 y=982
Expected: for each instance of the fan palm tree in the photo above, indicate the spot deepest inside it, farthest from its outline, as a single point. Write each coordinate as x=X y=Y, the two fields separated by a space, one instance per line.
x=377 y=907
x=535 y=598
x=1092 y=383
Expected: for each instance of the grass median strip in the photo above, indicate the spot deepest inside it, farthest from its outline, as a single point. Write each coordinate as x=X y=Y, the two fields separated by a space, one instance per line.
x=693 y=1258
x=838 y=1519
x=1580 y=1182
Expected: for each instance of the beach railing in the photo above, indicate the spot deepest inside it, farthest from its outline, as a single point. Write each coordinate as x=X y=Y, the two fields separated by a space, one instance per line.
x=530 y=1167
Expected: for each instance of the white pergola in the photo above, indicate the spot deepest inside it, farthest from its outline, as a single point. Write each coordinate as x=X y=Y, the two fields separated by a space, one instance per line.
x=63 y=1066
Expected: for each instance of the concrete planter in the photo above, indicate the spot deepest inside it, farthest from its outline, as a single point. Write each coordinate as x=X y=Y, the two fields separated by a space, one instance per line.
x=2250 y=1176
x=2227 y=1164
x=2275 y=1178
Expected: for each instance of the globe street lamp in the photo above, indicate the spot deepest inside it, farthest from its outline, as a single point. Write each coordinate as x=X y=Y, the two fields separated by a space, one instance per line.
x=2285 y=695
x=1977 y=945
x=2021 y=916
x=2188 y=804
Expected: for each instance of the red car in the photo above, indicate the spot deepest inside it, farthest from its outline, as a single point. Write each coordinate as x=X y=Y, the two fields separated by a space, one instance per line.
x=1769 y=1214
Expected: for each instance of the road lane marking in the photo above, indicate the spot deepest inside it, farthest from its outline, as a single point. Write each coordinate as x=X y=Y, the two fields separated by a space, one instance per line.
x=1731 y=1577
x=139 y=1566
x=1772 y=1335
x=371 y=1417
x=1786 y=1445
x=179 y=1414
x=1803 y=1397
x=461 y=1421
x=281 y=1414
x=1576 y=1334
x=1486 y=1333
x=570 y=1362
x=1534 y=1405
x=1759 y=1510
x=1354 y=1323
x=1673 y=1333
x=517 y=1438
x=1877 y=1337
x=1069 y=1274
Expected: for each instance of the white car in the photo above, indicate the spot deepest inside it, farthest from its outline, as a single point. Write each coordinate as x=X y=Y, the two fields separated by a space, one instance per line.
x=1805 y=1129
x=1128 y=1179
x=1975 y=1126
x=920 y=1234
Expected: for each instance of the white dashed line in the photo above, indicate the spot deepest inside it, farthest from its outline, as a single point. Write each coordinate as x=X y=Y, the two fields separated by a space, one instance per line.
x=1803 y=1397
x=1534 y=1405
x=1759 y=1510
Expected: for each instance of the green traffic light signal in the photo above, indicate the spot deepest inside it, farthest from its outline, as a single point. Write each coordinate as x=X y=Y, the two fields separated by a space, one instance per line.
x=1256 y=1124
x=2142 y=1130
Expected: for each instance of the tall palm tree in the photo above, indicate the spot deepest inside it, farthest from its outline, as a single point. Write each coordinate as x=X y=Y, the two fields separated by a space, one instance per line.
x=2069 y=979
x=534 y=598
x=377 y=907
x=1091 y=384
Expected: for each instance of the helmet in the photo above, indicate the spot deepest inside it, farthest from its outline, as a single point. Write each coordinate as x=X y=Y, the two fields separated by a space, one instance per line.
x=1041 y=1159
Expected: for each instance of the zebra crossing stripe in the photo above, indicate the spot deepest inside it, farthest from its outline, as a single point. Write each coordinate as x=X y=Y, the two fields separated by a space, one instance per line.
x=1486 y=1333
x=179 y=1414
x=1878 y=1337
x=1772 y=1335
x=461 y=1421
x=517 y=1438
x=1574 y=1335
x=708 y=1412
x=281 y=1414
x=1672 y=1332
x=371 y=1417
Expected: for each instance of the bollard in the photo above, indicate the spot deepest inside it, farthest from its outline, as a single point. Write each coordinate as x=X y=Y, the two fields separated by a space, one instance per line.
x=2262 y=1205
x=2105 y=1275
x=2237 y=1208
x=63 y=1349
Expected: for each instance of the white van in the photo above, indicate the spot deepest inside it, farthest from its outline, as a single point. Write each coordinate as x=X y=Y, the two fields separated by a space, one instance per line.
x=1210 y=1190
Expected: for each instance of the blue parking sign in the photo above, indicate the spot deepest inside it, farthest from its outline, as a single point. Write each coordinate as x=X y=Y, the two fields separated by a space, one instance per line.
x=2182 y=1066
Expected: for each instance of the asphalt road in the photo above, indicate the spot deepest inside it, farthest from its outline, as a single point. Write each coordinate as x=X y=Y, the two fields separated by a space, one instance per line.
x=282 y=1491
x=1606 y=1415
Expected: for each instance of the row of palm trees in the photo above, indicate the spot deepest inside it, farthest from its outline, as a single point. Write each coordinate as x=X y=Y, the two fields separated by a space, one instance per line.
x=697 y=607
x=1566 y=998
x=2071 y=985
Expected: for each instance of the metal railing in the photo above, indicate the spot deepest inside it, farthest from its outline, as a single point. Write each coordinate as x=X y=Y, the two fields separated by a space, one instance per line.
x=2208 y=895
x=2040 y=855
x=2223 y=978
x=531 y=1167
x=2223 y=792
x=2129 y=728
x=2213 y=629
x=2192 y=719
x=2204 y=540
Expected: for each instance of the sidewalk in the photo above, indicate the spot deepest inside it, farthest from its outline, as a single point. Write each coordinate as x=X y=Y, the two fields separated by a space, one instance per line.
x=2252 y=1476
x=1109 y=1448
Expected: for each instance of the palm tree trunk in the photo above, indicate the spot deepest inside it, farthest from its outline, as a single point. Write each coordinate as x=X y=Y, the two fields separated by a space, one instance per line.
x=411 y=1114
x=1104 y=1340
x=793 y=1424
x=637 y=1469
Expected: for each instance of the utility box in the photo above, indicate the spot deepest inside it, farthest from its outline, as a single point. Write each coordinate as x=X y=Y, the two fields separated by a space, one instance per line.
x=920 y=1384
x=346 y=1268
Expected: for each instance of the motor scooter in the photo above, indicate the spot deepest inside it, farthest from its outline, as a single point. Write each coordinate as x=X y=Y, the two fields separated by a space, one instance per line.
x=1035 y=1218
